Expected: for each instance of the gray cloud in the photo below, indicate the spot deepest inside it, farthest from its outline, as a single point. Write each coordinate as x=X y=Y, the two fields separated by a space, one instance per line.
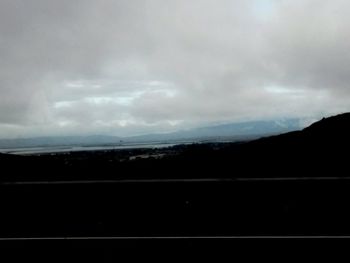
x=128 y=67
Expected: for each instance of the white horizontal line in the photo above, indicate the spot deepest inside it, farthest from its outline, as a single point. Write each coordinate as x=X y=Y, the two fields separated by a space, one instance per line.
x=176 y=180
x=171 y=238
x=295 y=179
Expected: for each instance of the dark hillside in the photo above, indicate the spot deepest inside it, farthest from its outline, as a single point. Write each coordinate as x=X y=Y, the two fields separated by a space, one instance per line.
x=318 y=150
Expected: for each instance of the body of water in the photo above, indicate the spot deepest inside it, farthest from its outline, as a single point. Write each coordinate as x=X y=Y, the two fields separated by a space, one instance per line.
x=63 y=149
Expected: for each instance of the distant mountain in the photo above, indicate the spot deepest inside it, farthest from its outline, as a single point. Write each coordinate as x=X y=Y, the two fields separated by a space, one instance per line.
x=233 y=131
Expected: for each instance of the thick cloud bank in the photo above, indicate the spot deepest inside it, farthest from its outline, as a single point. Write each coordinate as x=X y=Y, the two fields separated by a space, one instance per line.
x=129 y=67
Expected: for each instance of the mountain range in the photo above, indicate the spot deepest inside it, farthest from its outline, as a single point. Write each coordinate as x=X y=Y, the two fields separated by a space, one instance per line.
x=225 y=132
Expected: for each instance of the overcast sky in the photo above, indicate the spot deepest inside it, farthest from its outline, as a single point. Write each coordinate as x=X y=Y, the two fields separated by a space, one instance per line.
x=126 y=67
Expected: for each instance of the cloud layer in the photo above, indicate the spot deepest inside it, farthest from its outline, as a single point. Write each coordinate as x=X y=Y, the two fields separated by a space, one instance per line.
x=129 y=67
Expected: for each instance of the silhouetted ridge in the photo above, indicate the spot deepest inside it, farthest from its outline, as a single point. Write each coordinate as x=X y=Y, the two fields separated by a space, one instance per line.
x=326 y=131
x=329 y=135
x=319 y=150
x=336 y=125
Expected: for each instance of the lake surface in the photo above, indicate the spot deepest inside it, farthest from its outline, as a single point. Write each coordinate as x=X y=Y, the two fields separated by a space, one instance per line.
x=63 y=149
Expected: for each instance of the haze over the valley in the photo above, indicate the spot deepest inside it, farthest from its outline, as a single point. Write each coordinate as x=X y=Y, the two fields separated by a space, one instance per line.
x=124 y=68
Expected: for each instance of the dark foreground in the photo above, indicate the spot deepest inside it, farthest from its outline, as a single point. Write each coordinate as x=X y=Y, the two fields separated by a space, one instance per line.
x=292 y=185
x=105 y=222
x=176 y=209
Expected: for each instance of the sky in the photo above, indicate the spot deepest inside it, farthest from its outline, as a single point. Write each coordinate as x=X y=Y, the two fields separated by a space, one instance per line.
x=129 y=67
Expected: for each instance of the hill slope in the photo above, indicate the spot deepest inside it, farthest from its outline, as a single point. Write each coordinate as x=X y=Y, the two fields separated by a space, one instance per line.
x=319 y=150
